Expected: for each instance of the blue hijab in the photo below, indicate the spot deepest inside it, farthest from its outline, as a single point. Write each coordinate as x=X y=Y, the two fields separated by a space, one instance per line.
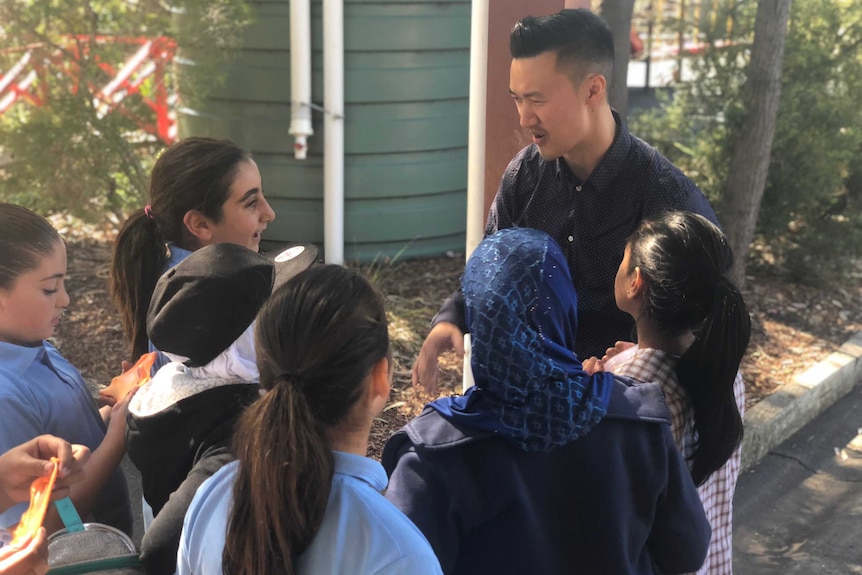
x=522 y=314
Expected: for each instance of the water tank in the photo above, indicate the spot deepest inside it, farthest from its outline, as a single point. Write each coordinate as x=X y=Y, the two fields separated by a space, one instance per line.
x=406 y=89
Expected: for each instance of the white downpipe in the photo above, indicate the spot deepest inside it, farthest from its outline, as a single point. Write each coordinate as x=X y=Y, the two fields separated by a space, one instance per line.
x=333 y=131
x=300 y=76
x=476 y=138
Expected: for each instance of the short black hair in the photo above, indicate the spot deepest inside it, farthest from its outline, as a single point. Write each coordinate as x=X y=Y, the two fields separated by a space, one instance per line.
x=582 y=40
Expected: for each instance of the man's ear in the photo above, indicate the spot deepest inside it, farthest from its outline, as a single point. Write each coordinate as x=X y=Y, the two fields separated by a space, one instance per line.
x=597 y=86
x=198 y=225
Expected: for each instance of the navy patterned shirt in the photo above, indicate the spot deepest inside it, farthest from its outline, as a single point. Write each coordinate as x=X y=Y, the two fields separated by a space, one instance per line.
x=591 y=220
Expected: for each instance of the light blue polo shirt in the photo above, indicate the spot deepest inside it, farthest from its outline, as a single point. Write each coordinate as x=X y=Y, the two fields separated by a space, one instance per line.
x=361 y=533
x=40 y=392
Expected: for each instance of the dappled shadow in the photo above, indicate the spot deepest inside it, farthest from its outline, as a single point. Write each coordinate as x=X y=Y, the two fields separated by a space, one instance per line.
x=800 y=509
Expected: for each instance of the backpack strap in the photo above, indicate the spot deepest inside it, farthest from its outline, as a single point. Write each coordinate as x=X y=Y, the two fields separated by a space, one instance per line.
x=69 y=515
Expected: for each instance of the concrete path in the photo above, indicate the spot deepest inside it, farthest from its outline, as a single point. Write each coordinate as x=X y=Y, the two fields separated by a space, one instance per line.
x=799 y=510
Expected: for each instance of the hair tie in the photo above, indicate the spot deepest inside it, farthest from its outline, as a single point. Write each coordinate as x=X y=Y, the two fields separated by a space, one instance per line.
x=148 y=211
x=289 y=376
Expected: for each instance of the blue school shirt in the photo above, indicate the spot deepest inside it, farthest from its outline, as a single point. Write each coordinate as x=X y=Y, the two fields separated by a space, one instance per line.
x=361 y=533
x=178 y=254
x=41 y=392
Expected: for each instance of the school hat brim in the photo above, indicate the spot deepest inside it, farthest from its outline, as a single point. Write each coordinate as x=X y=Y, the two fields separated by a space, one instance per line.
x=203 y=304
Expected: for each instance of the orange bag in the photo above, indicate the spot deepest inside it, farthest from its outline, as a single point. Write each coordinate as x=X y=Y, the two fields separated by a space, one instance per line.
x=135 y=376
x=40 y=495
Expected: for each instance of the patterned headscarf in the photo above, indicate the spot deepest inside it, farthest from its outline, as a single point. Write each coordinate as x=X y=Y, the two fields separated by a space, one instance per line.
x=522 y=314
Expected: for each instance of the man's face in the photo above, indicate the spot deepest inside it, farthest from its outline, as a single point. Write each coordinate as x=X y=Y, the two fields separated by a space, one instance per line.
x=550 y=106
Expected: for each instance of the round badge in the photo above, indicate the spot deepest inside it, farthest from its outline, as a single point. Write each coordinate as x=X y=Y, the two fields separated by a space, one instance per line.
x=289 y=254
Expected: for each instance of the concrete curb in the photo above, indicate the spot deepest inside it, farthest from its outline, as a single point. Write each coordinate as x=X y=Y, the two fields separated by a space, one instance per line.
x=811 y=392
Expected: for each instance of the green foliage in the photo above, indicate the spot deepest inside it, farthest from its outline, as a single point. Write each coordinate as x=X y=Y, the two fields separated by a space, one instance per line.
x=67 y=158
x=809 y=212
x=68 y=154
x=696 y=123
x=209 y=33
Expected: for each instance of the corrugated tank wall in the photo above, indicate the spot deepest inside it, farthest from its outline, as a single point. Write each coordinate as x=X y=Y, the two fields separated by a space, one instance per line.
x=406 y=89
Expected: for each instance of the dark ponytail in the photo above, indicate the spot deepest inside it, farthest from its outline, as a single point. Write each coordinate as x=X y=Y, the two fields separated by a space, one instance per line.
x=283 y=486
x=138 y=260
x=707 y=371
x=685 y=259
x=193 y=174
x=317 y=339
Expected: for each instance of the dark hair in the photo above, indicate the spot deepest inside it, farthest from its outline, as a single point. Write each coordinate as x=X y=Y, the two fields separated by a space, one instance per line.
x=684 y=260
x=317 y=339
x=193 y=174
x=25 y=238
x=582 y=40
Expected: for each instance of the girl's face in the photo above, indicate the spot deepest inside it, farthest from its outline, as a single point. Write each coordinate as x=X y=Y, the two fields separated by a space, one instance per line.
x=31 y=308
x=245 y=213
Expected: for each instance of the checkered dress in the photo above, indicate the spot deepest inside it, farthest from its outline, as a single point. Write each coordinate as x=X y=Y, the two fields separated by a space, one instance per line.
x=716 y=493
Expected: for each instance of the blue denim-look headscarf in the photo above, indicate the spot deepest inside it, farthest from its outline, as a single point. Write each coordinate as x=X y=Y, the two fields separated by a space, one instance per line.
x=522 y=314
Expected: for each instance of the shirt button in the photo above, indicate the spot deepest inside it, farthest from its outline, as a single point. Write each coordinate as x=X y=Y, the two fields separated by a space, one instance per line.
x=578 y=188
x=571 y=238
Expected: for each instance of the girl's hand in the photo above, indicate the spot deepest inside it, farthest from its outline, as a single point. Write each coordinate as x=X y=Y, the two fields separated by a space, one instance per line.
x=593 y=365
x=618 y=347
x=109 y=400
x=32 y=558
x=117 y=418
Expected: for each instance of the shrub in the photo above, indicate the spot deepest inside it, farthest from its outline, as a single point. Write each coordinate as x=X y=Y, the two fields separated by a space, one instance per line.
x=811 y=209
x=67 y=154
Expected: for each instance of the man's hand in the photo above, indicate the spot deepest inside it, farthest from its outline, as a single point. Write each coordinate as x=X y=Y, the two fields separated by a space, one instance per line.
x=21 y=465
x=442 y=337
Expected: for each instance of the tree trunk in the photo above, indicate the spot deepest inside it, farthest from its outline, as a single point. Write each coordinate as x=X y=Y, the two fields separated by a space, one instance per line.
x=749 y=164
x=618 y=15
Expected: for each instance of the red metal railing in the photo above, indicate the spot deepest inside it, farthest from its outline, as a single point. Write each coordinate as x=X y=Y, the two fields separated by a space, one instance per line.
x=150 y=59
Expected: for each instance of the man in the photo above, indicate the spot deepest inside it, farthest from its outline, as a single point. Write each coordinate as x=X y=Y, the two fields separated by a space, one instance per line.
x=584 y=179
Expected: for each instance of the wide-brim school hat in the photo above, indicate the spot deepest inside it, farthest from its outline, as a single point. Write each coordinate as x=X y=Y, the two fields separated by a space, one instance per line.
x=204 y=303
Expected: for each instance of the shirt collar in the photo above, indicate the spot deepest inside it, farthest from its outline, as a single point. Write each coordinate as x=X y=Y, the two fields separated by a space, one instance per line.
x=178 y=254
x=19 y=358
x=362 y=468
x=611 y=164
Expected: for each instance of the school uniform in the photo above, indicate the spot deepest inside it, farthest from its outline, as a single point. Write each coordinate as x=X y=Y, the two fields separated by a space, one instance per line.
x=361 y=533
x=41 y=392
x=716 y=493
x=180 y=424
x=620 y=500
x=178 y=435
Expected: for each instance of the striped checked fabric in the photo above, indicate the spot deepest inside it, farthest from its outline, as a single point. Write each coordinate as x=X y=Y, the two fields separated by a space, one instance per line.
x=716 y=493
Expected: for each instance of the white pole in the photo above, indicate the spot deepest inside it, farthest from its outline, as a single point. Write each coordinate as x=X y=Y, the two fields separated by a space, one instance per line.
x=333 y=131
x=300 y=76
x=476 y=138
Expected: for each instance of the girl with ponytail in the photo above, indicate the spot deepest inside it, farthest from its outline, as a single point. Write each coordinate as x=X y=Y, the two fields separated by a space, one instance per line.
x=302 y=497
x=202 y=191
x=692 y=330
